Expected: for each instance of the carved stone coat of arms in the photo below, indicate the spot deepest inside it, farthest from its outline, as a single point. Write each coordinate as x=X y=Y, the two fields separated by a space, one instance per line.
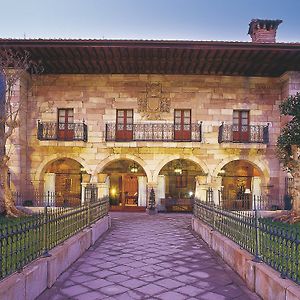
x=153 y=102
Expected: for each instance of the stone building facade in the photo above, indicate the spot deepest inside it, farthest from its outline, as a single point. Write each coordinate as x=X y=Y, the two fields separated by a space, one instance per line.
x=179 y=122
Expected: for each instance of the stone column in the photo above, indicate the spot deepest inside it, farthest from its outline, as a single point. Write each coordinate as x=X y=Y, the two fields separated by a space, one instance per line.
x=83 y=186
x=49 y=187
x=142 y=191
x=85 y=181
x=216 y=184
x=201 y=187
x=103 y=185
x=161 y=190
x=255 y=189
x=103 y=190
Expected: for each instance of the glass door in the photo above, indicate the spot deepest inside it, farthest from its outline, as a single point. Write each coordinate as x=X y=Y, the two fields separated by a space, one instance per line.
x=124 y=125
x=66 y=124
x=240 y=126
x=182 y=124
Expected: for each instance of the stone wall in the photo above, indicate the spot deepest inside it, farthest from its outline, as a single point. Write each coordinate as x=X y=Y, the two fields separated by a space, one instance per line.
x=258 y=277
x=212 y=100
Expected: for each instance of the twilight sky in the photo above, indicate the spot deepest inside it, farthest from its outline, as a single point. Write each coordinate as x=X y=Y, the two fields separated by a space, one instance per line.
x=145 y=19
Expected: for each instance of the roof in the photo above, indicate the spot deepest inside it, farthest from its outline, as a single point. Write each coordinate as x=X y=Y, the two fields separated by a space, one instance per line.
x=69 y=56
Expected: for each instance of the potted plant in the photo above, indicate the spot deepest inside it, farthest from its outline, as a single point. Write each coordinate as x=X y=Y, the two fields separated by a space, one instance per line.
x=151 y=210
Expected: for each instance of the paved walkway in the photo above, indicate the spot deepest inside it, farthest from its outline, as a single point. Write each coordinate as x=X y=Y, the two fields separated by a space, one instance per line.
x=149 y=257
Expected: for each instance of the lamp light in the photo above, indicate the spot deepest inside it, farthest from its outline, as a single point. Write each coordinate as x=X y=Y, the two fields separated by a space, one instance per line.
x=113 y=192
x=133 y=168
x=247 y=191
x=178 y=168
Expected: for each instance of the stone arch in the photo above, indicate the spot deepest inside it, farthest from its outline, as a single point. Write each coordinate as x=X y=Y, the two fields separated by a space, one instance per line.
x=261 y=167
x=166 y=160
x=46 y=162
x=115 y=157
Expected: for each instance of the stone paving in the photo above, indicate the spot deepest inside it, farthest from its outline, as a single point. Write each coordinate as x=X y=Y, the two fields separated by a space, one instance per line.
x=149 y=257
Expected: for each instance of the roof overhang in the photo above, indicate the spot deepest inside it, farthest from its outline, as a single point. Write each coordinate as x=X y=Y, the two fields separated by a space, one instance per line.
x=160 y=57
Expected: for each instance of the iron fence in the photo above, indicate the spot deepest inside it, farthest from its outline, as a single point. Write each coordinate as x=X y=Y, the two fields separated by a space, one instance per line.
x=23 y=240
x=154 y=132
x=274 y=243
x=39 y=199
x=58 y=199
x=239 y=202
x=249 y=202
x=246 y=134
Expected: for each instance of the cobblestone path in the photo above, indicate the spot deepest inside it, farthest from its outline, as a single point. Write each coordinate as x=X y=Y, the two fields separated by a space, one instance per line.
x=149 y=257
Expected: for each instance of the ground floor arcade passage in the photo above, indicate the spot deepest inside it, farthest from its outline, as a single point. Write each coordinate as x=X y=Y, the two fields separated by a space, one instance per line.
x=126 y=183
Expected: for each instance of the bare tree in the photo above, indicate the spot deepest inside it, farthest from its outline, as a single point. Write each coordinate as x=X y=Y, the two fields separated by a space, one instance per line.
x=13 y=67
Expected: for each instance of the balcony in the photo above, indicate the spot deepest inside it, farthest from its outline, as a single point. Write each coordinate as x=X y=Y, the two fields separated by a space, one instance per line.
x=153 y=132
x=243 y=134
x=52 y=131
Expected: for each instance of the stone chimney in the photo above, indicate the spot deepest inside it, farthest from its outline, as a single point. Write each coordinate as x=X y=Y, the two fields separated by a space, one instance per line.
x=263 y=31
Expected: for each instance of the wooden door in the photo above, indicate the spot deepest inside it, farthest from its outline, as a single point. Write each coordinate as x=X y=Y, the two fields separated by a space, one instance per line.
x=68 y=191
x=65 y=124
x=124 y=126
x=130 y=189
x=240 y=128
x=182 y=124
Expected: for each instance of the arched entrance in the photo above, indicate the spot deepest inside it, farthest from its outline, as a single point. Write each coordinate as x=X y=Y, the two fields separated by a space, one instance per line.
x=241 y=180
x=127 y=185
x=62 y=182
x=178 y=180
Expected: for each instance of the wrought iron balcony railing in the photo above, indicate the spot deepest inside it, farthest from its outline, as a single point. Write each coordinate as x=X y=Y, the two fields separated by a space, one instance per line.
x=62 y=131
x=243 y=134
x=153 y=132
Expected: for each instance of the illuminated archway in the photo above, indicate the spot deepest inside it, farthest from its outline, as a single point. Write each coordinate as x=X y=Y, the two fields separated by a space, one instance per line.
x=180 y=178
x=100 y=167
x=62 y=182
x=170 y=158
x=39 y=175
x=127 y=182
x=241 y=180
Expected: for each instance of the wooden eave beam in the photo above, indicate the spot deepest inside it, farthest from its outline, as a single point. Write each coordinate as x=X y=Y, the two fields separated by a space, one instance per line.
x=165 y=59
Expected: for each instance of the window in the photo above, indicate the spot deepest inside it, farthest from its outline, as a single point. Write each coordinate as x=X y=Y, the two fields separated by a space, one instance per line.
x=182 y=124
x=124 y=126
x=240 y=127
x=65 y=124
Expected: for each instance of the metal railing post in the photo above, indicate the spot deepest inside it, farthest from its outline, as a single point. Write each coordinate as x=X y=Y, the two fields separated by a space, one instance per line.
x=45 y=236
x=257 y=257
x=214 y=215
x=89 y=212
